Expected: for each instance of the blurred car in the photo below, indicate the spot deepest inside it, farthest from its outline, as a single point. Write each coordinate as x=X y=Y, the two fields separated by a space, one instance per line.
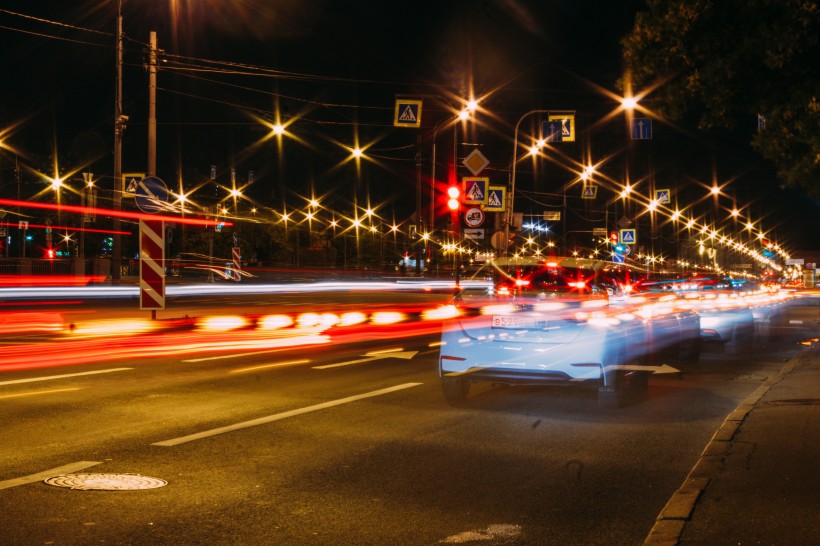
x=552 y=322
x=734 y=313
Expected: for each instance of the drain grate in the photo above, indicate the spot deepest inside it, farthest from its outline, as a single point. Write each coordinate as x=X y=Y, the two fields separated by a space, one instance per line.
x=105 y=482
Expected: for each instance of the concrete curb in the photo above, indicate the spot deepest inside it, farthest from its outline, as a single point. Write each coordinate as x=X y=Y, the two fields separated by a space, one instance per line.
x=671 y=522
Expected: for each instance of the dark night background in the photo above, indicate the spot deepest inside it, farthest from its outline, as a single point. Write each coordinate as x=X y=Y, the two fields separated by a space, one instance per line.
x=338 y=67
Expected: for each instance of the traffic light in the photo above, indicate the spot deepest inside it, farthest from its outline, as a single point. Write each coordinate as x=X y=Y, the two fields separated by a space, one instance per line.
x=454 y=198
x=50 y=253
x=613 y=237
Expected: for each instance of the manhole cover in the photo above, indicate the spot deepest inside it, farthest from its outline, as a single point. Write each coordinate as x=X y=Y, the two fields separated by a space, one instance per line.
x=105 y=482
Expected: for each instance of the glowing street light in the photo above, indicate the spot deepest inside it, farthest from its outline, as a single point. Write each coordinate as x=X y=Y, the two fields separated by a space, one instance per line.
x=629 y=103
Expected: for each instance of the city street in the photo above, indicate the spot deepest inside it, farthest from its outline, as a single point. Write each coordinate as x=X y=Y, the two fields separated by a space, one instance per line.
x=353 y=443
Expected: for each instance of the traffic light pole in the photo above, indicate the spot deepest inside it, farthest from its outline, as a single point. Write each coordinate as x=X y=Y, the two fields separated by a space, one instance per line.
x=454 y=204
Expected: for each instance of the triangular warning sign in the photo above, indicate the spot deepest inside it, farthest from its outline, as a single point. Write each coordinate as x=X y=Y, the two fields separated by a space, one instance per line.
x=475 y=193
x=132 y=186
x=408 y=115
x=589 y=191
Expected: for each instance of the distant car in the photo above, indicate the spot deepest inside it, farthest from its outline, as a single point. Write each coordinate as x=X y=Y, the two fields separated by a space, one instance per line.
x=552 y=323
x=733 y=312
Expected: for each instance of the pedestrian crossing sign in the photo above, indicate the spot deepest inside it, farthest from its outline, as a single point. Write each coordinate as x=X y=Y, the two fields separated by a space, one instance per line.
x=589 y=191
x=496 y=198
x=566 y=125
x=130 y=183
x=662 y=196
x=628 y=236
x=475 y=190
x=407 y=113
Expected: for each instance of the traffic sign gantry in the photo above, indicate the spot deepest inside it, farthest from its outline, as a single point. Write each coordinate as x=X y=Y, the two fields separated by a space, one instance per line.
x=152 y=195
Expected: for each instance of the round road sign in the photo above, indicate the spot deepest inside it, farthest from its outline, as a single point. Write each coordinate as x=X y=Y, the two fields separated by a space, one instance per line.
x=152 y=195
x=474 y=217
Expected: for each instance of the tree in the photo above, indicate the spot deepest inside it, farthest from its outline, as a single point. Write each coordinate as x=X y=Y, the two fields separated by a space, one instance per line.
x=725 y=61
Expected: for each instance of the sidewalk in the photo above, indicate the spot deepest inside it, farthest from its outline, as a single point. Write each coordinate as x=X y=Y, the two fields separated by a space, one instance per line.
x=758 y=480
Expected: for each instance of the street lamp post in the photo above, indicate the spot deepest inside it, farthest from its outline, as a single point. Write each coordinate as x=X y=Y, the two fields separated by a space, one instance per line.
x=511 y=200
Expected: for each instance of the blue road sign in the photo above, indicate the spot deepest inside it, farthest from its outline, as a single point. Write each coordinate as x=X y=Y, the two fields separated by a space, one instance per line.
x=552 y=130
x=152 y=195
x=407 y=113
x=641 y=129
x=617 y=258
x=627 y=236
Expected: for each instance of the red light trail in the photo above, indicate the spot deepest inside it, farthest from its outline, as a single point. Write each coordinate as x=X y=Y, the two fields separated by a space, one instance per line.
x=116 y=213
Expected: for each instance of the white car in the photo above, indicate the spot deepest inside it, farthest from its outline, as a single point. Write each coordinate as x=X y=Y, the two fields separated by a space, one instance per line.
x=554 y=327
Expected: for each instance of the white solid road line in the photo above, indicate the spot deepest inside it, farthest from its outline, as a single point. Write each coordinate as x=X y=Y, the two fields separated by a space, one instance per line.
x=370 y=357
x=66 y=469
x=284 y=415
x=63 y=376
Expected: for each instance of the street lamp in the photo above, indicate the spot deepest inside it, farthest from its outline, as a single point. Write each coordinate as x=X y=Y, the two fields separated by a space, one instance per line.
x=511 y=200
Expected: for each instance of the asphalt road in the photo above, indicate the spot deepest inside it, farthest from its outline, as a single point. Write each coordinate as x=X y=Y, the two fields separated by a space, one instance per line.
x=348 y=444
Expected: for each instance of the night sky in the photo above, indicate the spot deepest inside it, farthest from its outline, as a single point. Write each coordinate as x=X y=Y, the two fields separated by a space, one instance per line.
x=337 y=68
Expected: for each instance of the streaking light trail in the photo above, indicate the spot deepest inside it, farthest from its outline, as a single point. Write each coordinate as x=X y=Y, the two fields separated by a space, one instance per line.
x=111 y=212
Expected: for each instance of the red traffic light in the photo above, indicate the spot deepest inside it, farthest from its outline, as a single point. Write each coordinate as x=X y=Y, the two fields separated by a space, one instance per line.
x=50 y=253
x=454 y=194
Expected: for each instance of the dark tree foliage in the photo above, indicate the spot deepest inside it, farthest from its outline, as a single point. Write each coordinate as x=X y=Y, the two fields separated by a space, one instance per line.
x=728 y=61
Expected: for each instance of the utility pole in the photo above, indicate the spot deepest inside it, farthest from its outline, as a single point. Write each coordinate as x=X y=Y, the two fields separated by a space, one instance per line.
x=152 y=106
x=419 y=222
x=119 y=127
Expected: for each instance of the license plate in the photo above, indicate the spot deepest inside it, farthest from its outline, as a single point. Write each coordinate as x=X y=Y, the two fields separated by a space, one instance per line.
x=514 y=321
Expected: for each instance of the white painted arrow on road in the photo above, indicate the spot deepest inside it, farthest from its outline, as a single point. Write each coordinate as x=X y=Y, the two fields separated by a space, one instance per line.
x=370 y=357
